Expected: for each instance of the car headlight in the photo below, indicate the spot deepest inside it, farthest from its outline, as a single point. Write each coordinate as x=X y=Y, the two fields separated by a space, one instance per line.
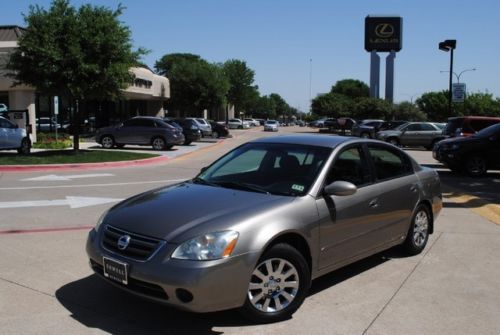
x=100 y=220
x=208 y=247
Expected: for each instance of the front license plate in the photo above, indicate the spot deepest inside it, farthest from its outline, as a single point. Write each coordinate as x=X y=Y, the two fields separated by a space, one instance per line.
x=115 y=270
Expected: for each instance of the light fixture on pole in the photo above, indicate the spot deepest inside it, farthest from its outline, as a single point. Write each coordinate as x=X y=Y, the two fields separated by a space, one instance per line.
x=449 y=45
x=460 y=74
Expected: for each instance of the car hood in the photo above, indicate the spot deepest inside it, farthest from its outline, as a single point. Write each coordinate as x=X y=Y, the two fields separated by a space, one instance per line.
x=176 y=212
x=459 y=140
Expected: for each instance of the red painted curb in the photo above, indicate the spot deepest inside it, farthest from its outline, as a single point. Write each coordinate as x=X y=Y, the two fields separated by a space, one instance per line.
x=82 y=166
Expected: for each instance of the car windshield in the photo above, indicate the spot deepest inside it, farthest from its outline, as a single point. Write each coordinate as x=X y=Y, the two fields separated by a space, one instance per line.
x=280 y=169
x=490 y=131
x=270 y=122
x=401 y=127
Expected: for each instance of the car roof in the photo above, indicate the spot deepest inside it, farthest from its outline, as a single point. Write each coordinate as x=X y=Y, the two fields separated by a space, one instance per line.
x=315 y=140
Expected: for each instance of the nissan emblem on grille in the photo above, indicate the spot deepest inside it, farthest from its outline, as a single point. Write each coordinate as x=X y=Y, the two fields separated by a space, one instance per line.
x=123 y=242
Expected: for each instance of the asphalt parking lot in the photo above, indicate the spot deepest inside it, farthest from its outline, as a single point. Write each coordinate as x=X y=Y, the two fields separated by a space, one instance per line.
x=46 y=286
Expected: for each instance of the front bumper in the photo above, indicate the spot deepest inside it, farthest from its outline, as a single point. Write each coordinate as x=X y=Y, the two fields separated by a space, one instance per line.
x=214 y=285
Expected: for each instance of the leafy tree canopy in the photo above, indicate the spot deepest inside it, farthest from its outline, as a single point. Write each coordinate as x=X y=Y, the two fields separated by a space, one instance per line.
x=241 y=91
x=351 y=88
x=83 y=53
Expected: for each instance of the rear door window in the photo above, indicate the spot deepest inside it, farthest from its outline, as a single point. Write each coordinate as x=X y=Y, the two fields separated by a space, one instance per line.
x=389 y=163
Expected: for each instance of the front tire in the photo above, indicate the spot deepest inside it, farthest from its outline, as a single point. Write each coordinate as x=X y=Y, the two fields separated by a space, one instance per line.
x=25 y=147
x=418 y=234
x=278 y=285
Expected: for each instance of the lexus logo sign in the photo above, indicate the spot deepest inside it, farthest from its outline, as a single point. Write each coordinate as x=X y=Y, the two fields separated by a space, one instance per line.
x=383 y=34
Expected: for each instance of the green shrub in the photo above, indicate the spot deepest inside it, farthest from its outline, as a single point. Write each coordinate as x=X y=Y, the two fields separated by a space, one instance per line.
x=48 y=141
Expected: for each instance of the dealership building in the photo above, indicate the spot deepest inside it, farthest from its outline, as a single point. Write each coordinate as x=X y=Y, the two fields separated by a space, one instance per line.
x=145 y=96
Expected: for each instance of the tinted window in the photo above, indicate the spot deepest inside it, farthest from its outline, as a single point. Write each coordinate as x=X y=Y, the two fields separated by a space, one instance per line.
x=350 y=165
x=388 y=163
x=5 y=124
x=414 y=127
x=427 y=127
x=131 y=123
x=478 y=125
x=452 y=126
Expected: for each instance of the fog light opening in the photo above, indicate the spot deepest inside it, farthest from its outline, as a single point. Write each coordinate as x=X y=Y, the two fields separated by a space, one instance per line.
x=184 y=295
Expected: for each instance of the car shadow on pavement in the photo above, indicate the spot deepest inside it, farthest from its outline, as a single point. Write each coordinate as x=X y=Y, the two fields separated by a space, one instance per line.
x=97 y=304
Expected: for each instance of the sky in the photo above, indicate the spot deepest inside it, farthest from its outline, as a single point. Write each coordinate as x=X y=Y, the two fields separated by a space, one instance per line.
x=299 y=49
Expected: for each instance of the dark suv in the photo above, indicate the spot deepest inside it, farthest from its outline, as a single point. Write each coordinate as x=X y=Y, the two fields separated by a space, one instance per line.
x=468 y=125
x=140 y=130
x=474 y=154
x=190 y=129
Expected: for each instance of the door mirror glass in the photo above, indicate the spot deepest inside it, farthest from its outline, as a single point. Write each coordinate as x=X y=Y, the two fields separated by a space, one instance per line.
x=341 y=188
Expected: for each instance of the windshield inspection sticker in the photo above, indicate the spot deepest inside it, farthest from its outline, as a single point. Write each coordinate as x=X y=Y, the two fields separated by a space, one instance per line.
x=299 y=188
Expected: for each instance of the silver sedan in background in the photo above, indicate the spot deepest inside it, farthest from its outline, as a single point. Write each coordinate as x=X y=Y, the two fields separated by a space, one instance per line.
x=255 y=227
x=271 y=125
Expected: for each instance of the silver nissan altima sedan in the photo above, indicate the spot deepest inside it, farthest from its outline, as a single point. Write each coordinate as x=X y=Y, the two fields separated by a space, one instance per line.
x=255 y=227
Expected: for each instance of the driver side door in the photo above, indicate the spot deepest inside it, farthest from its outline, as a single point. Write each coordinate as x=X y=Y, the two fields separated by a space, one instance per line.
x=348 y=223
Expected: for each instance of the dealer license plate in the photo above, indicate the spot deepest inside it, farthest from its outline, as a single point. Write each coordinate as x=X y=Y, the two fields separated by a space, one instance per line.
x=115 y=270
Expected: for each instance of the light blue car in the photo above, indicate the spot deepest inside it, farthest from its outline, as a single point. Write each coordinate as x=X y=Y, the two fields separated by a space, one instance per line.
x=13 y=137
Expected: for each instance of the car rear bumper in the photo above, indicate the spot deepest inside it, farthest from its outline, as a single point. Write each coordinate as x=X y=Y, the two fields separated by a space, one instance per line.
x=197 y=286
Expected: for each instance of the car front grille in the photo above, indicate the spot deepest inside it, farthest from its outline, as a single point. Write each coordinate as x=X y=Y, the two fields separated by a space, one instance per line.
x=140 y=247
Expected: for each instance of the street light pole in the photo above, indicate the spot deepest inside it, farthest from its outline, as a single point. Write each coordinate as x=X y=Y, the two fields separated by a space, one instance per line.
x=460 y=74
x=449 y=45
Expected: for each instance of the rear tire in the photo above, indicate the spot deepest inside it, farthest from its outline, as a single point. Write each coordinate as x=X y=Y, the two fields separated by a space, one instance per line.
x=418 y=234
x=476 y=166
x=158 y=143
x=107 y=142
x=187 y=142
x=278 y=285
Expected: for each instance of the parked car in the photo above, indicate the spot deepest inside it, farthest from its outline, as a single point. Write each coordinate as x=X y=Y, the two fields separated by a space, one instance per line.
x=219 y=130
x=331 y=124
x=389 y=125
x=253 y=122
x=271 y=125
x=189 y=129
x=468 y=125
x=366 y=128
x=206 y=129
x=413 y=134
x=3 y=108
x=237 y=124
x=140 y=130
x=47 y=124
x=319 y=123
x=271 y=215
x=475 y=154
x=13 y=137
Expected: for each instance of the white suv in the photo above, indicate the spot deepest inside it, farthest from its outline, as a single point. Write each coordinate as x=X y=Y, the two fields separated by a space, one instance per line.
x=13 y=137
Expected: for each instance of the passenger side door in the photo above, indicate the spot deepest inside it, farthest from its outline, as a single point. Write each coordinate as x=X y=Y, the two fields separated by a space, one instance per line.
x=128 y=132
x=347 y=223
x=399 y=190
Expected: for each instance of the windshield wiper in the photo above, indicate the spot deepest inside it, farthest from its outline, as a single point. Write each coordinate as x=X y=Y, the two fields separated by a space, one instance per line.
x=243 y=186
x=198 y=180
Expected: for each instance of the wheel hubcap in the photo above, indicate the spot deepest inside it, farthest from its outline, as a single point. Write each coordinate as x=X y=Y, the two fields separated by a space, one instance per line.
x=476 y=165
x=107 y=142
x=273 y=286
x=420 y=229
x=158 y=144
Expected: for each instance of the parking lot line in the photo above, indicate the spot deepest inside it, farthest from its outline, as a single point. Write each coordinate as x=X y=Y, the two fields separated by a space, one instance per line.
x=478 y=205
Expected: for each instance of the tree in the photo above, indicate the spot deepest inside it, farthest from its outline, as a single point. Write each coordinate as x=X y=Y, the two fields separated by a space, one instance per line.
x=195 y=84
x=240 y=77
x=332 y=105
x=81 y=54
x=407 y=111
x=281 y=107
x=372 y=108
x=351 y=88
x=434 y=105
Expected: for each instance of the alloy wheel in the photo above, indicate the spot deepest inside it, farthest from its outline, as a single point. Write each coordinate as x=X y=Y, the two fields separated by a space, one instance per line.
x=273 y=286
x=107 y=142
x=421 y=228
x=158 y=144
x=476 y=166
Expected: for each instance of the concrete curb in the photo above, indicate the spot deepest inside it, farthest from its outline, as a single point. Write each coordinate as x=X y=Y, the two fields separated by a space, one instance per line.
x=82 y=166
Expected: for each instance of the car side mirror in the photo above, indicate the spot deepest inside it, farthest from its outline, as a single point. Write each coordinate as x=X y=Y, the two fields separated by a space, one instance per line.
x=341 y=188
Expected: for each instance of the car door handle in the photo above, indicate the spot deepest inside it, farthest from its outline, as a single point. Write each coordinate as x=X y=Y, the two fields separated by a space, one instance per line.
x=413 y=188
x=373 y=203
